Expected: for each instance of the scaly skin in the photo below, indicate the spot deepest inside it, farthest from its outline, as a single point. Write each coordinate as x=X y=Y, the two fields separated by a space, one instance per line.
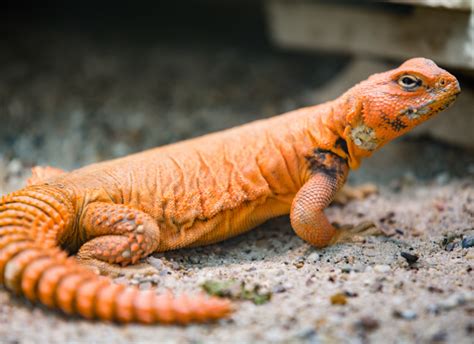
x=199 y=192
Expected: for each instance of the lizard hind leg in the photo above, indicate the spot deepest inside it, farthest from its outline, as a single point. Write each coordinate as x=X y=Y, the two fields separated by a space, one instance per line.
x=118 y=236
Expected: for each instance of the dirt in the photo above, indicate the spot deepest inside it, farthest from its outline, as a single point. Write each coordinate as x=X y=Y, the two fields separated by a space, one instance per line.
x=386 y=298
x=90 y=100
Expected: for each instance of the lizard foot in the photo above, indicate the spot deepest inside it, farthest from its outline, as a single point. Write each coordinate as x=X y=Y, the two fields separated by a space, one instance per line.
x=349 y=233
x=120 y=237
x=113 y=270
x=349 y=193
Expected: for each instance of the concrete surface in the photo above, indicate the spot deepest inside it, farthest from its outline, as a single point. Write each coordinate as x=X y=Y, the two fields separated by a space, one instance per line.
x=397 y=32
x=451 y=4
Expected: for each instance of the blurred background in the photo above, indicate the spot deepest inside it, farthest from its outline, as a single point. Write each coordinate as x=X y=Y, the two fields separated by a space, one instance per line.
x=86 y=81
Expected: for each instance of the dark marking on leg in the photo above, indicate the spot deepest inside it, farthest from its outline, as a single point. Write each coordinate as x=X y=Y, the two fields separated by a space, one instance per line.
x=327 y=162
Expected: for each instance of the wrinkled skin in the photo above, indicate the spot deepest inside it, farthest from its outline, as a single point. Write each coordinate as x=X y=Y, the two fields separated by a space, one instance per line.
x=198 y=192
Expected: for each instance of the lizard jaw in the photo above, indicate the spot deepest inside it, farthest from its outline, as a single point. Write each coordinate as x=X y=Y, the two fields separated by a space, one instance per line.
x=430 y=108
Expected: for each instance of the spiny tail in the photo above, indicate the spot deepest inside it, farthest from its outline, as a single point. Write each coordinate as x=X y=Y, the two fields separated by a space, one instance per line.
x=31 y=264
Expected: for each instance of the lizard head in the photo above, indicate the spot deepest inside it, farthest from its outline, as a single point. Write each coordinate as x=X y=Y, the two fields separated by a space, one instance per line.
x=389 y=104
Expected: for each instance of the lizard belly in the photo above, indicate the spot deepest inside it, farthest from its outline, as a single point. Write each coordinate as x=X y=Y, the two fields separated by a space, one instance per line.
x=226 y=224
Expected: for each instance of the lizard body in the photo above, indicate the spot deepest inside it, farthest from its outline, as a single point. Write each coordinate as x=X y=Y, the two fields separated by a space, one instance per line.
x=198 y=192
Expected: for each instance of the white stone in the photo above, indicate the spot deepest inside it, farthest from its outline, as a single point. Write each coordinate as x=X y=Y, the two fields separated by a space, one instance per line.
x=382 y=268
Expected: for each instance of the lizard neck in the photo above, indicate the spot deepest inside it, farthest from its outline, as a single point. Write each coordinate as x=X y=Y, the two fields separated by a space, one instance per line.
x=331 y=125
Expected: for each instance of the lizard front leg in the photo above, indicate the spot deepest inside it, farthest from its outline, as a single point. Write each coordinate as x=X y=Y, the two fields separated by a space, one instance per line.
x=308 y=220
x=117 y=234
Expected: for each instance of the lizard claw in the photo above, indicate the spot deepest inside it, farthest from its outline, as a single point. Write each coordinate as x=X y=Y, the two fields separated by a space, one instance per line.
x=349 y=193
x=351 y=233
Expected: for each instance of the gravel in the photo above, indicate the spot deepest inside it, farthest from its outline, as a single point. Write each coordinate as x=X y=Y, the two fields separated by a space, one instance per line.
x=468 y=241
x=317 y=295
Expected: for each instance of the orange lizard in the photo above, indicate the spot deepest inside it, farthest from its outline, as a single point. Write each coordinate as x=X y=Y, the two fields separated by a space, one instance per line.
x=199 y=192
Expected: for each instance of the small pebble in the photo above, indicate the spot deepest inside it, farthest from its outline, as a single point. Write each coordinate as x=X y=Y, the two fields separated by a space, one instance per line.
x=155 y=279
x=407 y=314
x=439 y=337
x=433 y=309
x=452 y=302
x=467 y=241
x=399 y=285
x=410 y=258
x=351 y=293
x=194 y=259
x=280 y=288
x=145 y=285
x=367 y=323
x=346 y=268
x=376 y=287
x=399 y=231
x=308 y=334
x=175 y=266
x=164 y=272
x=435 y=289
x=298 y=264
x=449 y=247
x=255 y=256
x=155 y=262
x=313 y=257
x=338 y=299
x=382 y=268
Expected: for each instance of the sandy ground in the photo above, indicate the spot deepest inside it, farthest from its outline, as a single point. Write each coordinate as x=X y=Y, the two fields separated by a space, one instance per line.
x=388 y=299
x=91 y=100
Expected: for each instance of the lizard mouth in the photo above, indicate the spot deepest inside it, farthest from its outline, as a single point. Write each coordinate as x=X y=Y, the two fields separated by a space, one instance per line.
x=431 y=107
x=443 y=103
x=449 y=100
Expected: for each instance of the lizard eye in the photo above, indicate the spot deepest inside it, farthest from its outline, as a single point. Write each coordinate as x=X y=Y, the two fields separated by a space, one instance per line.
x=409 y=82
